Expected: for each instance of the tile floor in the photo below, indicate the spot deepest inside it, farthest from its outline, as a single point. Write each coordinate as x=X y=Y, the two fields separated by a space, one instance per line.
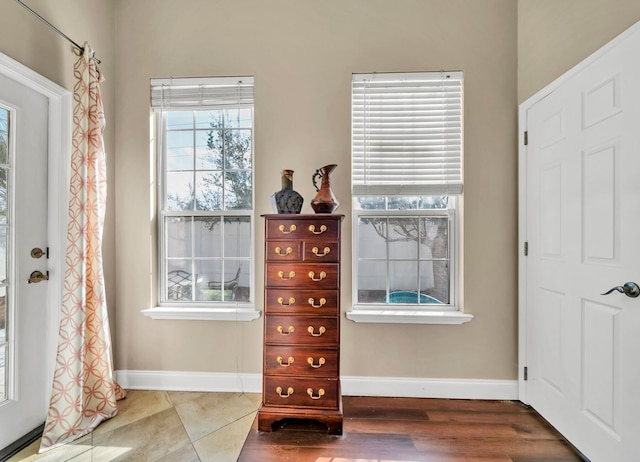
x=159 y=426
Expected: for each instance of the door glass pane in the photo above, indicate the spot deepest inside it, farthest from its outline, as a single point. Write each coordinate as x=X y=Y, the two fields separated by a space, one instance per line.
x=4 y=160
x=4 y=184
x=4 y=136
x=3 y=372
x=3 y=344
x=3 y=254
x=4 y=250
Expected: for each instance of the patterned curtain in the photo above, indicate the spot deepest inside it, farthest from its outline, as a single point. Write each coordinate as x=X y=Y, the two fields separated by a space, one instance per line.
x=84 y=390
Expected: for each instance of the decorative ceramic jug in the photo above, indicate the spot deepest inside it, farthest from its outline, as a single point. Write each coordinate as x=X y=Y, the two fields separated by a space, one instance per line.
x=286 y=200
x=325 y=201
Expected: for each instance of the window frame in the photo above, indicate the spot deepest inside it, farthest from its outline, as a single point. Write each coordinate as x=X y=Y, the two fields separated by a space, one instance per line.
x=450 y=313
x=205 y=309
x=451 y=214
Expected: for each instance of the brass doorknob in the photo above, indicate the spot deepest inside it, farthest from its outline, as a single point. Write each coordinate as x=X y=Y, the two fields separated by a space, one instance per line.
x=37 y=276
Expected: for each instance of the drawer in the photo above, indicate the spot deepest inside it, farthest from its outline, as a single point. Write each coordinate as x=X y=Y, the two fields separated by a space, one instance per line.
x=321 y=251
x=302 y=275
x=318 y=393
x=289 y=250
x=300 y=361
x=301 y=330
x=296 y=301
x=284 y=228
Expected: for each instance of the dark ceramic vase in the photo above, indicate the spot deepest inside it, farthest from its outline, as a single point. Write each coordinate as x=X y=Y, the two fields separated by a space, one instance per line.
x=287 y=200
x=325 y=201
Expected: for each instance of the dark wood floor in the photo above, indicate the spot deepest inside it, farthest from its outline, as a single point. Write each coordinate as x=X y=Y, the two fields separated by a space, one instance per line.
x=407 y=429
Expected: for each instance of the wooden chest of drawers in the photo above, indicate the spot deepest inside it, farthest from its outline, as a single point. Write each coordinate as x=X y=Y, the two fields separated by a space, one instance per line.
x=301 y=371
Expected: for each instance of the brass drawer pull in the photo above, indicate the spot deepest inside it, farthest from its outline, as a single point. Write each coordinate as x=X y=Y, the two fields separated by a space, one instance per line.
x=312 y=228
x=316 y=251
x=291 y=301
x=292 y=274
x=292 y=228
x=313 y=277
x=289 y=331
x=321 y=361
x=287 y=251
x=289 y=361
x=318 y=396
x=313 y=332
x=289 y=392
x=312 y=302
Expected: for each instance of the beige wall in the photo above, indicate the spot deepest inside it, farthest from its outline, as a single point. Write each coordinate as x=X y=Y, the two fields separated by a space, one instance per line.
x=555 y=35
x=302 y=54
x=26 y=39
x=310 y=48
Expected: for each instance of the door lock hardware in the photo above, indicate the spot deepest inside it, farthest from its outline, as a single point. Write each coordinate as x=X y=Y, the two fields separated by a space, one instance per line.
x=630 y=289
x=37 y=252
x=37 y=276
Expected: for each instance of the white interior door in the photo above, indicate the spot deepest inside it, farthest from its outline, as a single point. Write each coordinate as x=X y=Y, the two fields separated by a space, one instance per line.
x=582 y=226
x=24 y=387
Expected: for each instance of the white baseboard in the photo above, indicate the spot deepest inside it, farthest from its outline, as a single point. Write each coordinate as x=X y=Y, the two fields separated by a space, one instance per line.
x=407 y=387
x=411 y=387
x=189 y=381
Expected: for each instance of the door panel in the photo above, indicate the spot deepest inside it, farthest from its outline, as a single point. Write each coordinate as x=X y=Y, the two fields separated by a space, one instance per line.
x=583 y=231
x=26 y=389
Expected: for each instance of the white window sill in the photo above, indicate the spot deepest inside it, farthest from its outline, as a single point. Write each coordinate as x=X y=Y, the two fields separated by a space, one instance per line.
x=193 y=313
x=390 y=316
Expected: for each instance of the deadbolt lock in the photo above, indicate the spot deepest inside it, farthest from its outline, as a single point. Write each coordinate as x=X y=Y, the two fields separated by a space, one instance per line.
x=37 y=252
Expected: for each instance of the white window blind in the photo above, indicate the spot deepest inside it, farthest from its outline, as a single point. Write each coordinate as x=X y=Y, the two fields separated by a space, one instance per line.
x=407 y=134
x=213 y=93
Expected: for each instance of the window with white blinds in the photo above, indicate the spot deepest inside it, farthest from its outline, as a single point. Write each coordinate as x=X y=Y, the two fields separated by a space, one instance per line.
x=407 y=134
x=206 y=200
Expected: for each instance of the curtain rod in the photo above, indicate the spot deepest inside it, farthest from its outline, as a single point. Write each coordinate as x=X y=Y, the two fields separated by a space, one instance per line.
x=54 y=28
